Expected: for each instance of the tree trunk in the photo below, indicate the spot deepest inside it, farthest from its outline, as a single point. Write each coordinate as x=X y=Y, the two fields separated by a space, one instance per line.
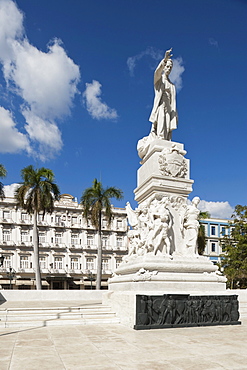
x=99 y=263
x=36 y=252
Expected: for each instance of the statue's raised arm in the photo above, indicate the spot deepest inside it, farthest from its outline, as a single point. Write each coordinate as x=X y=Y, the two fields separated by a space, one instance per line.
x=164 y=114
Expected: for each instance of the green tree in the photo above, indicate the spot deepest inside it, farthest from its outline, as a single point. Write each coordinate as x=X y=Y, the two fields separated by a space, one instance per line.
x=234 y=260
x=36 y=194
x=201 y=238
x=96 y=202
x=3 y=174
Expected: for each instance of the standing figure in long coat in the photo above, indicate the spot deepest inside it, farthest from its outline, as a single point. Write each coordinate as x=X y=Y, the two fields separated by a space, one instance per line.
x=164 y=114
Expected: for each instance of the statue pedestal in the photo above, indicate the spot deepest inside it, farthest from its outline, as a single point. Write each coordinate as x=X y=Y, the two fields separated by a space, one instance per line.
x=164 y=170
x=164 y=273
x=163 y=254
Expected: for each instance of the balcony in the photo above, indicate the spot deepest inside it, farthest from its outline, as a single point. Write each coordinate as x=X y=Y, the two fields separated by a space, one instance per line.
x=75 y=225
x=107 y=248
x=75 y=246
x=7 y=221
x=58 y=246
x=44 y=245
x=25 y=222
x=7 y=242
x=60 y=224
x=25 y=244
x=44 y=270
x=90 y=247
x=42 y=223
x=120 y=248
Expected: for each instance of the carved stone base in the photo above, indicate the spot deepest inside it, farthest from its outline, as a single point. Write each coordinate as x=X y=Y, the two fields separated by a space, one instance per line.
x=183 y=310
x=172 y=273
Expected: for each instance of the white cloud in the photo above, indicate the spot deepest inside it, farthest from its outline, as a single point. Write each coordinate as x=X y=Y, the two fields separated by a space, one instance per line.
x=216 y=209
x=44 y=133
x=153 y=53
x=213 y=42
x=9 y=190
x=176 y=73
x=11 y=140
x=46 y=81
x=11 y=27
x=95 y=107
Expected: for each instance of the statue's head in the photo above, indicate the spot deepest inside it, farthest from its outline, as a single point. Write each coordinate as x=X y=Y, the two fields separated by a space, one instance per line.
x=196 y=201
x=168 y=67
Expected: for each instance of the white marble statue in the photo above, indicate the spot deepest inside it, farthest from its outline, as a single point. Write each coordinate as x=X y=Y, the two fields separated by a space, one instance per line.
x=132 y=216
x=190 y=226
x=158 y=239
x=144 y=221
x=135 y=243
x=164 y=114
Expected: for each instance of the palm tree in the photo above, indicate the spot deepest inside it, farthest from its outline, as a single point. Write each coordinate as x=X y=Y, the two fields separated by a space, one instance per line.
x=36 y=194
x=96 y=202
x=3 y=174
x=201 y=238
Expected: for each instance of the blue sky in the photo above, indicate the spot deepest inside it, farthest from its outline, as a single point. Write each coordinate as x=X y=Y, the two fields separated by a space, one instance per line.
x=76 y=90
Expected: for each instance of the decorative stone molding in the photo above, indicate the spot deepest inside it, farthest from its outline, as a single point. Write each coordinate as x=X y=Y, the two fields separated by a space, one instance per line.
x=172 y=162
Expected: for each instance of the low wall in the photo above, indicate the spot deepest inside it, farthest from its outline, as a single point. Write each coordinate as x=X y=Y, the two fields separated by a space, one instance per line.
x=50 y=295
x=242 y=294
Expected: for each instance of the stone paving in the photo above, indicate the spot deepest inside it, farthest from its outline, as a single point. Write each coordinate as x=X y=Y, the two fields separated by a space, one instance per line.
x=118 y=347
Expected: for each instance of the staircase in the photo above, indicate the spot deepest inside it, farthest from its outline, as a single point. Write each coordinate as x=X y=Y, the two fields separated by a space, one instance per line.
x=16 y=317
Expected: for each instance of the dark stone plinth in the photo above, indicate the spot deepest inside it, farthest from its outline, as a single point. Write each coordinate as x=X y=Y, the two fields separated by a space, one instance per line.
x=184 y=310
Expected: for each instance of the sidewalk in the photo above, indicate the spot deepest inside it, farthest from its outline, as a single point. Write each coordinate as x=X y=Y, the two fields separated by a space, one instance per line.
x=117 y=347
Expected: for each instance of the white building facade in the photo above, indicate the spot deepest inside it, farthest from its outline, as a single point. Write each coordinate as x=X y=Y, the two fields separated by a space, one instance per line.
x=68 y=246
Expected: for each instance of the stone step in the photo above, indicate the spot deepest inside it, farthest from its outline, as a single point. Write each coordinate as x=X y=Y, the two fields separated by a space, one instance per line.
x=47 y=316
x=55 y=310
x=50 y=316
x=58 y=322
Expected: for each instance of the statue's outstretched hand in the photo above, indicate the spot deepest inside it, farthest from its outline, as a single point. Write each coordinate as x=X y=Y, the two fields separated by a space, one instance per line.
x=168 y=54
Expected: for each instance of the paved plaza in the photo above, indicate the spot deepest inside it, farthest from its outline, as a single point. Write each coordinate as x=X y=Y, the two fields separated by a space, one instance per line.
x=118 y=347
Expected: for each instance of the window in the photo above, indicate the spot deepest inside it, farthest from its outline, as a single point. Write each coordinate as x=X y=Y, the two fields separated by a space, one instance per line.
x=58 y=238
x=118 y=261
x=42 y=262
x=213 y=230
x=74 y=263
x=90 y=264
x=223 y=231
x=6 y=215
x=74 y=239
x=105 y=241
x=7 y=262
x=40 y=218
x=213 y=247
x=119 y=241
x=105 y=264
x=42 y=237
x=24 y=236
x=58 y=263
x=74 y=220
x=24 y=262
x=90 y=240
x=25 y=216
x=6 y=235
x=57 y=219
x=119 y=224
x=104 y=224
